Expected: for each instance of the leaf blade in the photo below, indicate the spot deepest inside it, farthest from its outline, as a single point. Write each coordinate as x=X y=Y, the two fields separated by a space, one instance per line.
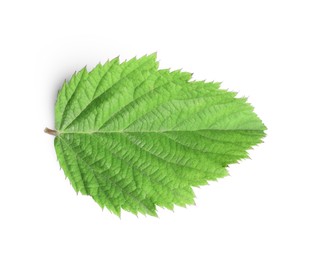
x=144 y=137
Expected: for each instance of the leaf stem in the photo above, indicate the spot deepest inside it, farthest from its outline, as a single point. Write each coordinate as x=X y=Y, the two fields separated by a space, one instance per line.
x=50 y=131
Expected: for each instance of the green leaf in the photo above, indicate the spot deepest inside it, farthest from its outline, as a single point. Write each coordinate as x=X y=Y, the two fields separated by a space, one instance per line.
x=135 y=137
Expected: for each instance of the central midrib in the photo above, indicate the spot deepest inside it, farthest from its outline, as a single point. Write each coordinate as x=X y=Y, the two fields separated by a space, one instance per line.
x=144 y=131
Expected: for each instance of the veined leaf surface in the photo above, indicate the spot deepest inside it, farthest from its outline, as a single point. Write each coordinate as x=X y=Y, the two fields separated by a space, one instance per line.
x=135 y=137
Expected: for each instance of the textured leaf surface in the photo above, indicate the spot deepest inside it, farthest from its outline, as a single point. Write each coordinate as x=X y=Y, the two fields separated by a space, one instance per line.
x=134 y=137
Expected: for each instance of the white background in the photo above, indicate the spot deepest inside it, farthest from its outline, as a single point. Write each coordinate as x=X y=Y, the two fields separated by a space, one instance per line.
x=261 y=49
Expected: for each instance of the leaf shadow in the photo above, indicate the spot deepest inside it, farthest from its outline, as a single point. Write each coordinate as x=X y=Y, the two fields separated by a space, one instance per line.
x=62 y=74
